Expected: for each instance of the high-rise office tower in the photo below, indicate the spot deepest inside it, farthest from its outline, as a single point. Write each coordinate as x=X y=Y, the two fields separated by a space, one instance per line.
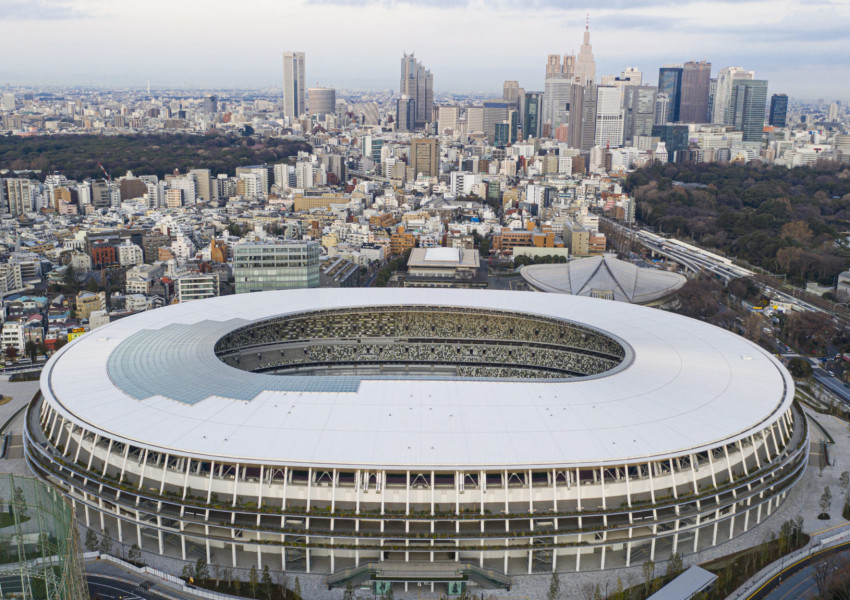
x=778 y=110
x=670 y=83
x=832 y=112
x=495 y=111
x=418 y=83
x=531 y=115
x=321 y=101
x=294 y=89
x=474 y=120
x=405 y=116
x=639 y=117
x=511 y=91
x=447 y=119
x=712 y=92
x=585 y=66
x=662 y=104
x=556 y=102
x=553 y=66
x=557 y=70
x=210 y=105
x=747 y=106
x=696 y=82
x=632 y=75
x=588 y=118
x=725 y=80
x=425 y=157
x=609 y=117
x=582 y=117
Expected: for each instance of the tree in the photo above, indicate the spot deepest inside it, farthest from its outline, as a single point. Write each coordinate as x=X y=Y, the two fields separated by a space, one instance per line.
x=484 y=247
x=11 y=353
x=30 y=349
x=824 y=503
x=91 y=540
x=135 y=555
x=648 y=570
x=554 y=587
x=799 y=368
x=106 y=541
x=348 y=594
x=202 y=571
x=92 y=285
x=296 y=590
x=389 y=594
x=821 y=576
x=267 y=582
x=674 y=566
x=253 y=580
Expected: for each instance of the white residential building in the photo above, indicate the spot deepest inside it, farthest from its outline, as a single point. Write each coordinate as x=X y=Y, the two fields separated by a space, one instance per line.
x=130 y=254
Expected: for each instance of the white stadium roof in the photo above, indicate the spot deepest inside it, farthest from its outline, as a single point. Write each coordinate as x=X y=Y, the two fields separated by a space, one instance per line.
x=688 y=386
x=625 y=281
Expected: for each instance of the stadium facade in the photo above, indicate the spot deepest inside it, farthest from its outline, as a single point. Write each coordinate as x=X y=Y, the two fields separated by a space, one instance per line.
x=319 y=430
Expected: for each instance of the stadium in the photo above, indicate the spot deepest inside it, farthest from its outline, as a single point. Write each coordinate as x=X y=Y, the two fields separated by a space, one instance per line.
x=396 y=434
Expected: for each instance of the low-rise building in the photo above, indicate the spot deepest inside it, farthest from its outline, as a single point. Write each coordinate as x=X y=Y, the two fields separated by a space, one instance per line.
x=88 y=302
x=443 y=267
x=260 y=267
x=197 y=286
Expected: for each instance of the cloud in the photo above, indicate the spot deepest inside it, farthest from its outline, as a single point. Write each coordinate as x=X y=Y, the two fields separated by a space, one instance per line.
x=25 y=10
x=567 y=5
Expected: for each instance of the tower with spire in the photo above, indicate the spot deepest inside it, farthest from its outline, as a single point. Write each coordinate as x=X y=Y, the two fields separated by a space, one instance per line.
x=585 y=65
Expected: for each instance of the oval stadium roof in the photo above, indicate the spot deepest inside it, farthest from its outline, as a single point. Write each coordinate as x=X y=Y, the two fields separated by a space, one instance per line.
x=153 y=380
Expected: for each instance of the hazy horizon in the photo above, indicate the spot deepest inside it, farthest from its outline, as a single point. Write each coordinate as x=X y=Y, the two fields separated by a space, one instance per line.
x=470 y=46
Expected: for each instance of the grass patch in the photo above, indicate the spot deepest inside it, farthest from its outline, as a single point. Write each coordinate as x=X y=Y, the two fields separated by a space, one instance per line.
x=5 y=400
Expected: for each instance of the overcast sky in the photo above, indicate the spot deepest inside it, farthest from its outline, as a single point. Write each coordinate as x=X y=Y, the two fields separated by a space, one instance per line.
x=801 y=47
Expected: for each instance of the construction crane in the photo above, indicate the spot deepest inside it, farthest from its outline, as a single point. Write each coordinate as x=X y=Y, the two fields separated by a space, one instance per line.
x=108 y=178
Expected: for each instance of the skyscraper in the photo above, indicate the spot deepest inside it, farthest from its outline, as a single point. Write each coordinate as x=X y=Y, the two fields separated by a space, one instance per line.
x=639 y=105
x=670 y=84
x=582 y=117
x=294 y=89
x=588 y=117
x=531 y=116
x=609 y=117
x=696 y=83
x=747 y=105
x=553 y=66
x=418 y=83
x=556 y=70
x=210 y=105
x=511 y=91
x=585 y=68
x=725 y=80
x=556 y=101
x=778 y=110
x=321 y=101
x=495 y=111
x=425 y=157
x=405 y=116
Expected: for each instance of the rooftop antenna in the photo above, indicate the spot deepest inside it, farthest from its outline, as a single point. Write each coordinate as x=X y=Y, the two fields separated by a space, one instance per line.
x=587 y=23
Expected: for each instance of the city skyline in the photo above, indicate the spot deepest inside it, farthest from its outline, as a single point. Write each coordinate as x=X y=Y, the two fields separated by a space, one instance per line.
x=789 y=46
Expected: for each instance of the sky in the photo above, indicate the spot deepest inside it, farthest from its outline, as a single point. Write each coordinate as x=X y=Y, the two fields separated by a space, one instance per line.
x=800 y=47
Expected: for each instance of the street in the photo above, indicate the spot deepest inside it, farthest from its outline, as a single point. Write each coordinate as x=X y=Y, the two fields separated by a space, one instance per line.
x=801 y=583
